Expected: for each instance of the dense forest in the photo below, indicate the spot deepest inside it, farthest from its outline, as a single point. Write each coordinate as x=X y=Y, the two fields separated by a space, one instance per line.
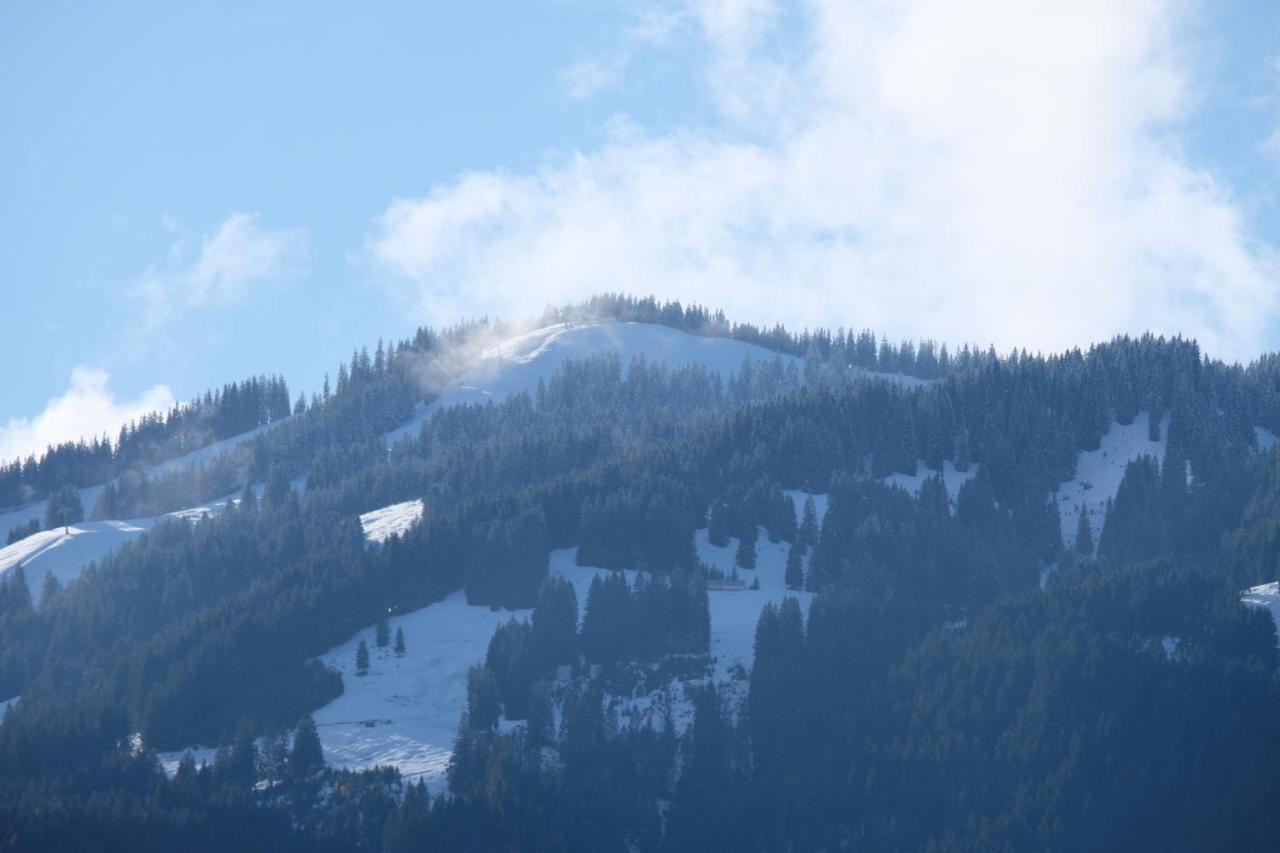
x=934 y=695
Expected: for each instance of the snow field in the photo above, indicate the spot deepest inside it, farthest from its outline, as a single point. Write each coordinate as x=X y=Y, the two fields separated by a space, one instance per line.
x=1098 y=473
x=521 y=362
x=1265 y=595
x=381 y=524
x=406 y=711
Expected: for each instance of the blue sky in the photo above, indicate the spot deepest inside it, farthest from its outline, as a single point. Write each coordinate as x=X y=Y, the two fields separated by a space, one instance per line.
x=192 y=193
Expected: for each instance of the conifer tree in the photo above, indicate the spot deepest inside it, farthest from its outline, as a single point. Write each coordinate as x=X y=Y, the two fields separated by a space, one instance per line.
x=399 y=640
x=1084 y=533
x=50 y=589
x=362 y=659
x=746 y=556
x=306 y=757
x=276 y=490
x=809 y=523
x=483 y=703
x=63 y=508
x=15 y=596
x=794 y=576
x=718 y=527
x=382 y=633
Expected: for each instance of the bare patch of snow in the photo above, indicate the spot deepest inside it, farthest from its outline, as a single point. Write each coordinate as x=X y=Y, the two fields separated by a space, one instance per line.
x=1098 y=473
x=1266 y=438
x=381 y=524
x=1265 y=595
x=405 y=712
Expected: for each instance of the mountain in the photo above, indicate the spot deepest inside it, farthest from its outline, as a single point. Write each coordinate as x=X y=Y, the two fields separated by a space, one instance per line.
x=640 y=578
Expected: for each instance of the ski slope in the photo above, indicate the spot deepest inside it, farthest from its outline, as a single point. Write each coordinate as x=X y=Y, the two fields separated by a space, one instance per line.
x=521 y=362
x=65 y=555
x=1099 y=472
x=67 y=552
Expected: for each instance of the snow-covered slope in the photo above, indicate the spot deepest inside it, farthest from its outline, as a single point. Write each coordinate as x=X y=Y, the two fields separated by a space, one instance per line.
x=381 y=524
x=89 y=495
x=1265 y=595
x=520 y=362
x=1098 y=473
x=65 y=555
x=406 y=710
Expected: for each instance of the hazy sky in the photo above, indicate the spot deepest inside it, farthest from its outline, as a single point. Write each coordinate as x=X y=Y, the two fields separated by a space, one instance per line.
x=191 y=193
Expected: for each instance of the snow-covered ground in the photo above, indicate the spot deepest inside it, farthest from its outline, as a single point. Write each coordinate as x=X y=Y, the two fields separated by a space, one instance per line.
x=381 y=524
x=1266 y=438
x=405 y=712
x=951 y=478
x=209 y=452
x=520 y=362
x=734 y=613
x=1265 y=595
x=65 y=555
x=1098 y=473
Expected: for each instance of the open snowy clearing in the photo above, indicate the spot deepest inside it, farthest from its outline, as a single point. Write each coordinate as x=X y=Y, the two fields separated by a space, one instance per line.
x=405 y=712
x=381 y=524
x=1265 y=595
x=1099 y=472
x=521 y=362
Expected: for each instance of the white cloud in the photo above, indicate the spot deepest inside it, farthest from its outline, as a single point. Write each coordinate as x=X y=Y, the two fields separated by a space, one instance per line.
x=238 y=255
x=994 y=171
x=87 y=409
x=588 y=77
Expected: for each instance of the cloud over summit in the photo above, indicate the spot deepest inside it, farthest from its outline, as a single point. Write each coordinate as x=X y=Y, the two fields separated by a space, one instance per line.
x=997 y=171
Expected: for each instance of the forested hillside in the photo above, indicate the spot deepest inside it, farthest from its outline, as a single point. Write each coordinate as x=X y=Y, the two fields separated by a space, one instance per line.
x=935 y=665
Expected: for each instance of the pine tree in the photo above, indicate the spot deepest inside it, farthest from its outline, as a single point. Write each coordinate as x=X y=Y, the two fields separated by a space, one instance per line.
x=483 y=703
x=306 y=758
x=382 y=633
x=276 y=490
x=746 y=556
x=1084 y=533
x=63 y=508
x=50 y=589
x=718 y=528
x=809 y=523
x=15 y=596
x=362 y=659
x=795 y=570
x=399 y=640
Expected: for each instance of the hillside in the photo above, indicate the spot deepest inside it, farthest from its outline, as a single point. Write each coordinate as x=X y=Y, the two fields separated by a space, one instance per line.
x=658 y=575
